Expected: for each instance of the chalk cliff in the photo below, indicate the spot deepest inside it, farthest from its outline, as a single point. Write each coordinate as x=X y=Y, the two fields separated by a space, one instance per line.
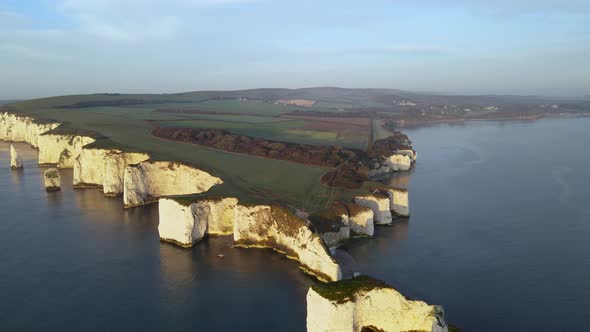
x=219 y=213
x=16 y=161
x=399 y=201
x=393 y=163
x=379 y=204
x=89 y=168
x=16 y=128
x=61 y=150
x=184 y=221
x=52 y=179
x=149 y=180
x=179 y=223
x=114 y=169
x=360 y=220
x=367 y=304
x=331 y=224
x=274 y=227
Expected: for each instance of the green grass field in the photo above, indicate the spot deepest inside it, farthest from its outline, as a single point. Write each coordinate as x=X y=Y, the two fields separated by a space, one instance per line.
x=121 y=118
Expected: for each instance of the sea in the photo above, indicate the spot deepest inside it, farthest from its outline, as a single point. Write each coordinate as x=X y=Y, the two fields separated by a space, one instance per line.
x=499 y=234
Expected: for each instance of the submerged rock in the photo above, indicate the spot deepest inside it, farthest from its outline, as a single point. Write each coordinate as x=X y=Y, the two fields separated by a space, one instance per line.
x=147 y=181
x=366 y=304
x=52 y=180
x=379 y=203
x=16 y=161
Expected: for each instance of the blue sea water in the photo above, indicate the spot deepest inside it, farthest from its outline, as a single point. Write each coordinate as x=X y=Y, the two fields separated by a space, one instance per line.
x=498 y=235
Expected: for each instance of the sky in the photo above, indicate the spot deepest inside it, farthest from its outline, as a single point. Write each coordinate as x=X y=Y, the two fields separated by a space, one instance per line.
x=60 y=47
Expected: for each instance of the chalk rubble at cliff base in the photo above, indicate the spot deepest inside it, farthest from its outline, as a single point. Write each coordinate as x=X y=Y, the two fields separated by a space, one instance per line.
x=362 y=303
x=52 y=180
x=16 y=162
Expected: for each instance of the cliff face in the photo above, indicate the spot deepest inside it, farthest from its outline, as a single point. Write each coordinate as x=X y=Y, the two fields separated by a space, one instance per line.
x=360 y=220
x=184 y=222
x=179 y=223
x=89 y=168
x=115 y=163
x=271 y=226
x=332 y=224
x=363 y=302
x=22 y=129
x=104 y=168
x=392 y=163
x=149 y=180
x=379 y=204
x=61 y=150
x=399 y=201
x=16 y=161
x=219 y=214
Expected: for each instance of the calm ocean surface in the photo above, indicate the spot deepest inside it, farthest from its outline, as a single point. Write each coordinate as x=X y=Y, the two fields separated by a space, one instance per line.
x=499 y=235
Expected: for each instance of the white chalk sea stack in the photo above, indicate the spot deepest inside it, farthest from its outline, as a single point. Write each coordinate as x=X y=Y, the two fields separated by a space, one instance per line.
x=179 y=223
x=380 y=206
x=366 y=304
x=399 y=201
x=16 y=161
x=52 y=179
x=360 y=219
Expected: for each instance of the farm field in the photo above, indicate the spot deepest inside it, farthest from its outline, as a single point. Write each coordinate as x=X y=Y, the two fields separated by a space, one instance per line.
x=127 y=121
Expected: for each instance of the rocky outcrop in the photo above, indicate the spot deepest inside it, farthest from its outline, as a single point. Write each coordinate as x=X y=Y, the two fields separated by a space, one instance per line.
x=408 y=152
x=399 y=201
x=379 y=203
x=393 y=163
x=179 y=223
x=185 y=220
x=61 y=150
x=16 y=128
x=274 y=227
x=332 y=225
x=115 y=163
x=367 y=304
x=149 y=180
x=89 y=168
x=219 y=213
x=52 y=180
x=360 y=220
x=104 y=168
x=16 y=161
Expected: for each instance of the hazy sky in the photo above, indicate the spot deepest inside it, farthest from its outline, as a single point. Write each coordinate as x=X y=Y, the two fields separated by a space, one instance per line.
x=55 y=47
